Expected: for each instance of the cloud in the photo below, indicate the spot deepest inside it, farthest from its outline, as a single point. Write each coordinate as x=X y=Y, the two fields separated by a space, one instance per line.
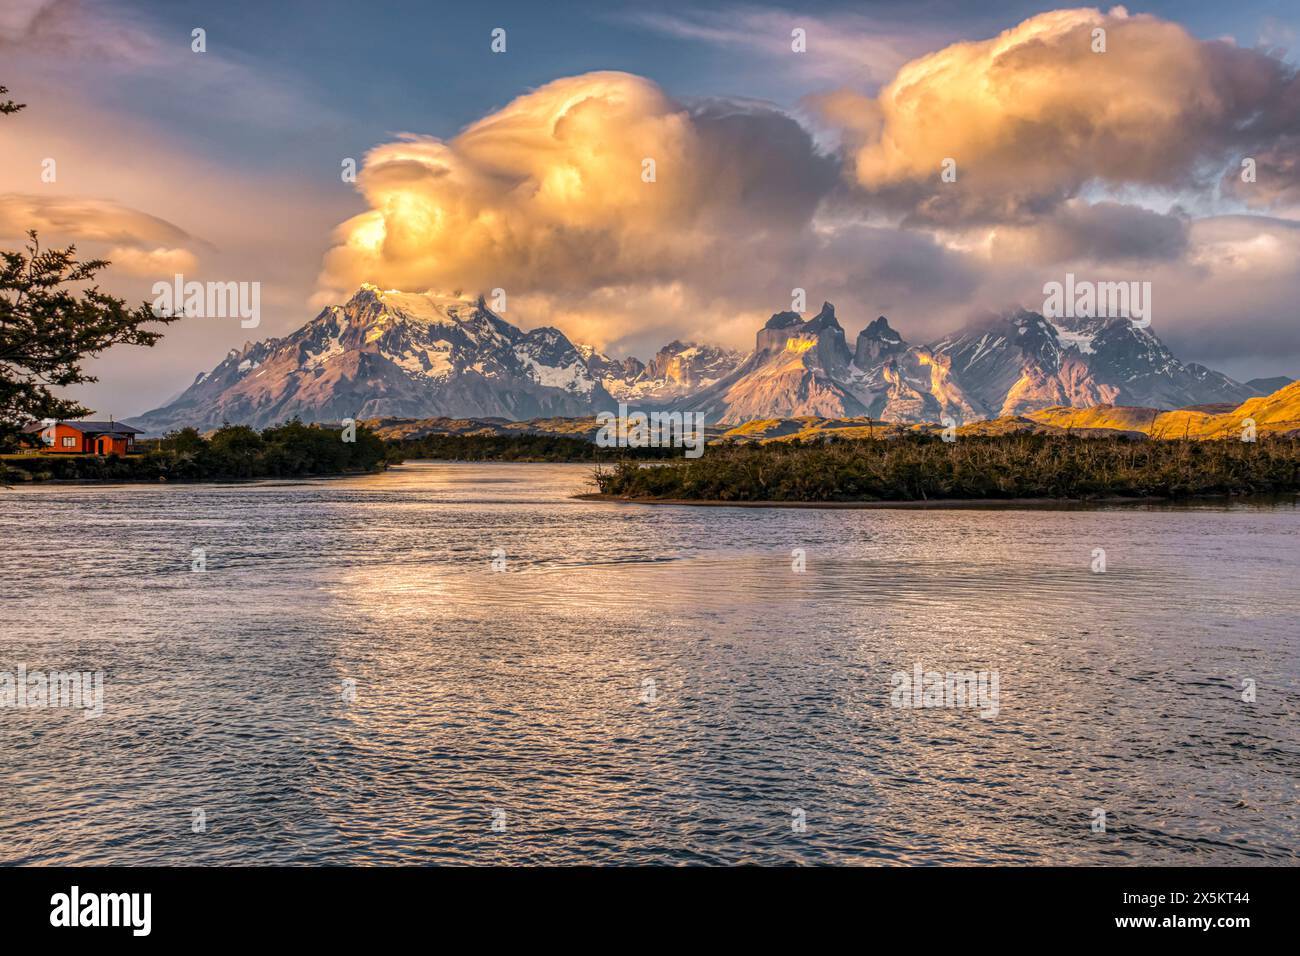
x=545 y=199
x=1078 y=231
x=1251 y=248
x=71 y=29
x=92 y=42
x=859 y=48
x=1276 y=182
x=153 y=263
x=1034 y=115
x=72 y=218
x=548 y=196
x=1235 y=296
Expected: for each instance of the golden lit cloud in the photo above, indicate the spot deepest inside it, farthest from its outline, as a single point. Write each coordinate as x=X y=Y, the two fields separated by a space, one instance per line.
x=1034 y=114
x=71 y=218
x=589 y=182
x=157 y=263
x=1064 y=156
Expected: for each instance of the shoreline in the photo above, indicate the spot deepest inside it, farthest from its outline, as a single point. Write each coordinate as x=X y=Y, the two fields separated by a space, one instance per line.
x=936 y=504
x=154 y=482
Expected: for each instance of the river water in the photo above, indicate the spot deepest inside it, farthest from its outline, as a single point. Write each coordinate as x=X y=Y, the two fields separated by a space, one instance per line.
x=460 y=663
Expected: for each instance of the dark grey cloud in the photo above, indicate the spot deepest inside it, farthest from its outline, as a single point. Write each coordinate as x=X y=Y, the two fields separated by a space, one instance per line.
x=1079 y=232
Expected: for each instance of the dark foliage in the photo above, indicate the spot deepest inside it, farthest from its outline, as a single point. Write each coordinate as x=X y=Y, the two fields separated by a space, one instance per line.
x=50 y=322
x=231 y=452
x=919 y=467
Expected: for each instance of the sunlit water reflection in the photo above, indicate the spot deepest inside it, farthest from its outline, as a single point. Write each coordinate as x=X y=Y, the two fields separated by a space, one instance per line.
x=524 y=692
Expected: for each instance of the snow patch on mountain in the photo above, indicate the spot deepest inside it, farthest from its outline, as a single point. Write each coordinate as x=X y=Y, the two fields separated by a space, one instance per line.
x=387 y=353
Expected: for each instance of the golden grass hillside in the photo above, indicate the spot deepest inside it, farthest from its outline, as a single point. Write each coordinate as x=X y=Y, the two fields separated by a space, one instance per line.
x=1278 y=413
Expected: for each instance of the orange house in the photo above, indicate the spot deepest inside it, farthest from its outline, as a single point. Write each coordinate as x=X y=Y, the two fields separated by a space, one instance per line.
x=83 y=438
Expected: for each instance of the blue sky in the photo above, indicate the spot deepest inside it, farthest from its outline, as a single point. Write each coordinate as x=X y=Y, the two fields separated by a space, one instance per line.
x=373 y=70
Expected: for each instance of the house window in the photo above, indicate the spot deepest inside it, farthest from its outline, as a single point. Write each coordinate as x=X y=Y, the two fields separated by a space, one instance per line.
x=69 y=442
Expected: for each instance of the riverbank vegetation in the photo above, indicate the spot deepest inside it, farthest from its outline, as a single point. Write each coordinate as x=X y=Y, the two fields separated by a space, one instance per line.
x=923 y=467
x=232 y=452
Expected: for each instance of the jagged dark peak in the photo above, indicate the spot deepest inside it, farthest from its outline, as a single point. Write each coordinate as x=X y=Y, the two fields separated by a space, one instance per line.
x=677 y=347
x=1019 y=325
x=876 y=342
x=784 y=320
x=549 y=345
x=546 y=333
x=880 y=329
x=1022 y=317
x=986 y=320
x=825 y=319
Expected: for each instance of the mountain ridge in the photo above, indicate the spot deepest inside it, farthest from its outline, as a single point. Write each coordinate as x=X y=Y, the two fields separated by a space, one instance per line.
x=1274 y=414
x=394 y=354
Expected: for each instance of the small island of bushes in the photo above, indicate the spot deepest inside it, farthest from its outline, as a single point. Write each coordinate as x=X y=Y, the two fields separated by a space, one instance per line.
x=918 y=467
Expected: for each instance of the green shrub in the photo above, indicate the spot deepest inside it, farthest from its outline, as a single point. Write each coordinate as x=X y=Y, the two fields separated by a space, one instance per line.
x=231 y=452
x=916 y=467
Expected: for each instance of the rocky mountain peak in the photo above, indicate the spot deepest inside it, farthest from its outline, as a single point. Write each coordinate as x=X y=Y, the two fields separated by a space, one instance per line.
x=392 y=353
x=789 y=332
x=784 y=320
x=880 y=329
x=676 y=369
x=387 y=353
x=824 y=319
x=876 y=343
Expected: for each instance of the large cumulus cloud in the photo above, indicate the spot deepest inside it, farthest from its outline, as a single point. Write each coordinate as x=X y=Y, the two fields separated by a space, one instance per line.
x=548 y=194
x=1034 y=115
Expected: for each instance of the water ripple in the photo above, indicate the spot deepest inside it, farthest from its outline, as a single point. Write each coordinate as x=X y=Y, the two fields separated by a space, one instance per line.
x=640 y=684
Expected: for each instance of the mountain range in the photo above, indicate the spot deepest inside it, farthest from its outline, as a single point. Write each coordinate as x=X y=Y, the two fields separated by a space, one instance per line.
x=390 y=354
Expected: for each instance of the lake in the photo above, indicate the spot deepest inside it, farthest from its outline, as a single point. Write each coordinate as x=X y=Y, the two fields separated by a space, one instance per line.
x=460 y=663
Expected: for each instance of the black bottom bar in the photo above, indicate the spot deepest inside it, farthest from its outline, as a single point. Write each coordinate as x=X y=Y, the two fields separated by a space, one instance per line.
x=337 y=905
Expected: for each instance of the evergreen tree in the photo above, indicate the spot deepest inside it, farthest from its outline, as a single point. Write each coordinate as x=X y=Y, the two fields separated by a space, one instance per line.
x=50 y=322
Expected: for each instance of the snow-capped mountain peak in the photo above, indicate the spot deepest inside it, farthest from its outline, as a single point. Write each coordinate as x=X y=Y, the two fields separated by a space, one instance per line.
x=387 y=353
x=392 y=353
x=678 y=369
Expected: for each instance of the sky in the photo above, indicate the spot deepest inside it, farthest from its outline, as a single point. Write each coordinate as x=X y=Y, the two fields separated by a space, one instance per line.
x=774 y=168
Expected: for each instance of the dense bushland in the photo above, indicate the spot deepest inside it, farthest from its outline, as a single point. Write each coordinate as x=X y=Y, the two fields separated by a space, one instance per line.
x=231 y=452
x=921 y=467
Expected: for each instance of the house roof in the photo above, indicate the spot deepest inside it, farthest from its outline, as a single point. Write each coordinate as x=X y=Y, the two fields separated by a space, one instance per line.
x=89 y=428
